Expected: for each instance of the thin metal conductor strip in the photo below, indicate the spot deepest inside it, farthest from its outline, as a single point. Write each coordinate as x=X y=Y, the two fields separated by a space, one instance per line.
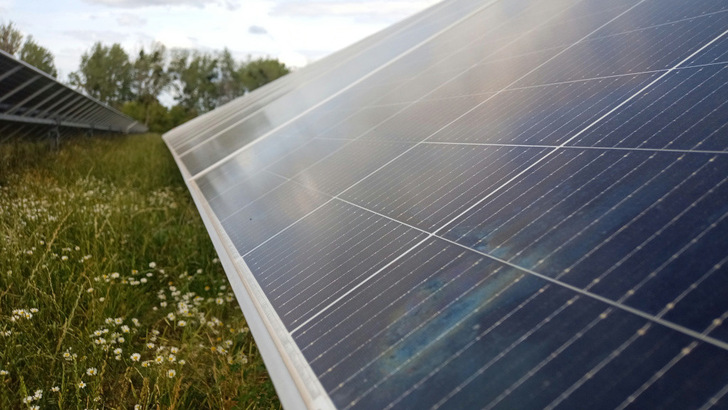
x=331 y=97
x=715 y=399
x=311 y=393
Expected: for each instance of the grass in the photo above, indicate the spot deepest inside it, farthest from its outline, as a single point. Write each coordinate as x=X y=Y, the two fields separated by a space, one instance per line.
x=111 y=295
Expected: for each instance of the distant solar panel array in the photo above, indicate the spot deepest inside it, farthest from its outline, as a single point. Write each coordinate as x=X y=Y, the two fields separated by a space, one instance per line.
x=492 y=204
x=33 y=103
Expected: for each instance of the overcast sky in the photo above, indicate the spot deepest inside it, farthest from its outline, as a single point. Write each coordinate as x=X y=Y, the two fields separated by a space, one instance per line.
x=294 y=31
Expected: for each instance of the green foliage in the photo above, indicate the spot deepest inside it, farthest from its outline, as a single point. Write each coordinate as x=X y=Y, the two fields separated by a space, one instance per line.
x=229 y=83
x=203 y=82
x=11 y=41
x=195 y=75
x=179 y=115
x=153 y=114
x=38 y=56
x=149 y=77
x=10 y=38
x=259 y=72
x=105 y=73
x=103 y=250
x=158 y=117
x=199 y=81
x=149 y=80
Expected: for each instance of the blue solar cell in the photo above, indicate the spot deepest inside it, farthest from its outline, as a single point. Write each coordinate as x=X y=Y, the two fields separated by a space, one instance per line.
x=415 y=192
x=524 y=210
x=242 y=192
x=354 y=161
x=685 y=111
x=324 y=256
x=264 y=217
x=641 y=361
x=549 y=114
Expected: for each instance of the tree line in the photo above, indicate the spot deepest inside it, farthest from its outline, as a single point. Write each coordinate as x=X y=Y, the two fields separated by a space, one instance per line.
x=197 y=81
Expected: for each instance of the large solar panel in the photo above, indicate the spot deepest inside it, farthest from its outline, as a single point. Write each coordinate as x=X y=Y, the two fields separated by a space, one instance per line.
x=492 y=204
x=32 y=103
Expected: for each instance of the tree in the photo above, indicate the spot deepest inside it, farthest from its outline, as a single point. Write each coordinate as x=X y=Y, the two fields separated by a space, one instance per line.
x=179 y=115
x=149 y=80
x=229 y=82
x=105 y=73
x=155 y=114
x=149 y=76
x=10 y=38
x=259 y=72
x=203 y=82
x=38 y=56
x=194 y=77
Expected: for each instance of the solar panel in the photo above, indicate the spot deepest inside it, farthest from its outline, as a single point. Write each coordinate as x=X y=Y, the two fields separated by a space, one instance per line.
x=32 y=102
x=511 y=204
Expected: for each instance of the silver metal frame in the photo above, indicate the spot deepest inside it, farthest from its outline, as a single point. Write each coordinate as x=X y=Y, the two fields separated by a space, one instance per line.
x=29 y=96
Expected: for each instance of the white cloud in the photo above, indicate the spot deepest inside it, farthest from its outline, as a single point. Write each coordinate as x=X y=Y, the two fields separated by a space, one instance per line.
x=229 y=4
x=104 y=36
x=130 y=20
x=174 y=38
x=365 y=10
x=5 y=6
x=292 y=59
x=257 y=30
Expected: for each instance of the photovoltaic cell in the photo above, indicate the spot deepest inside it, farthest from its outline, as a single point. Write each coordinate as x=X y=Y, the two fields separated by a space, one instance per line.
x=350 y=245
x=678 y=113
x=504 y=204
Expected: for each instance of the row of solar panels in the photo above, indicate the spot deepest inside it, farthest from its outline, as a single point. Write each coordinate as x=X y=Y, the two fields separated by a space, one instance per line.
x=492 y=204
x=32 y=102
x=248 y=120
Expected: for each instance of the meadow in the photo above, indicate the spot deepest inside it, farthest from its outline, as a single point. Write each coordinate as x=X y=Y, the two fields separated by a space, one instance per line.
x=111 y=295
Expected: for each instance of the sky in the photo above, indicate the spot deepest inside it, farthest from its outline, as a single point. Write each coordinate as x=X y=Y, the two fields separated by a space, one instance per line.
x=294 y=31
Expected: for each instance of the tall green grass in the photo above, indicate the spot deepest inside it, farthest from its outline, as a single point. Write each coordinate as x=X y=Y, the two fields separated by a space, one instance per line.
x=110 y=292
